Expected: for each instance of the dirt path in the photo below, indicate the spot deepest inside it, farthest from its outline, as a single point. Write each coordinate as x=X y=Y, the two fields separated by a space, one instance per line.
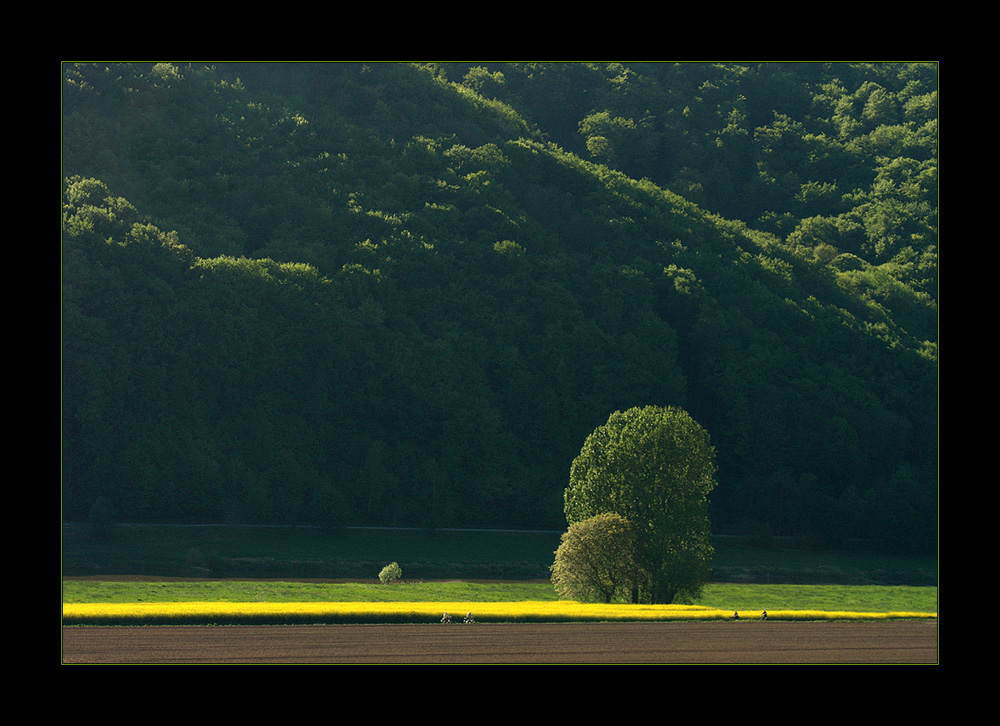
x=717 y=642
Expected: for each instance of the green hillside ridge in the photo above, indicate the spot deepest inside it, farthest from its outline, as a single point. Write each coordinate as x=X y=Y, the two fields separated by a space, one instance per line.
x=403 y=294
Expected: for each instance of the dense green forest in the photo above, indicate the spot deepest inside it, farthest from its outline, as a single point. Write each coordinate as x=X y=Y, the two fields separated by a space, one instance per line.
x=405 y=293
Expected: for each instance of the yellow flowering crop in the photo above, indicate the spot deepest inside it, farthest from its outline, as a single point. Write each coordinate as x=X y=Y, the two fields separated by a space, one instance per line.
x=178 y=613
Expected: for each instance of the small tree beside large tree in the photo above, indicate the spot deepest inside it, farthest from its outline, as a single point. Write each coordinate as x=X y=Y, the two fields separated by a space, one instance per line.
x=596 y=560
x=654 y=467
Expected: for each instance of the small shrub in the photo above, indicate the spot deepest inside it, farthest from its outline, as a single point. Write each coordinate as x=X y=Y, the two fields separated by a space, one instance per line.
x=390 y=573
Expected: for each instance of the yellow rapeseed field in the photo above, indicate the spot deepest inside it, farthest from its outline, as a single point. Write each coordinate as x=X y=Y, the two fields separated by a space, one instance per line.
x=418 y=612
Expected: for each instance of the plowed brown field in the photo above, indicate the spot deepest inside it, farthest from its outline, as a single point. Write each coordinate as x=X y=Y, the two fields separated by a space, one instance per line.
x=716 y=642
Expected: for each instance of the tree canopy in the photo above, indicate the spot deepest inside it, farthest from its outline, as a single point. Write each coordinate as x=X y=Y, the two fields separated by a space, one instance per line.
x=596 y=561
x=655 y=467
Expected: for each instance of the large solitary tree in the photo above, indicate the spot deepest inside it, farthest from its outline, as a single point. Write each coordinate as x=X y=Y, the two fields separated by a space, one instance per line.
x=655 y=467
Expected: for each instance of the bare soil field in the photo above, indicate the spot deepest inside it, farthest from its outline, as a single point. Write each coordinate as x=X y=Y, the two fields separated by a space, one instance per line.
x=747 y=642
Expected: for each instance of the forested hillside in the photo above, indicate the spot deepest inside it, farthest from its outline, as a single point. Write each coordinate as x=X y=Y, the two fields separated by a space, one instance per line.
x=404 y=294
